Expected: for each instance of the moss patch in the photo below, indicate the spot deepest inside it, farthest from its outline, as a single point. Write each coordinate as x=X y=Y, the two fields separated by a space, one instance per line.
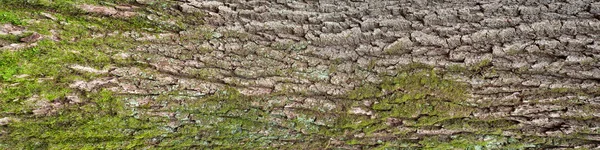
x=101 y=120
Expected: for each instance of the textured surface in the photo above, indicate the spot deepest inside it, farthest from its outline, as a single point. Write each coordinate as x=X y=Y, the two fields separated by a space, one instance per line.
x=358 y=74
x=530 y=65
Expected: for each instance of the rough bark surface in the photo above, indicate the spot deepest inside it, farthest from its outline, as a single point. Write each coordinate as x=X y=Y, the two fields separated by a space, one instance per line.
x=532 y=66
x=357 y=74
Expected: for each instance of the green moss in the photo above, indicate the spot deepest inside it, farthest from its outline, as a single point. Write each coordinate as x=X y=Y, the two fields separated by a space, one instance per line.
x=426 y=83
x=364 y=92
x=13 y=38
x=372 y=64
x=102 y=121
x=204 y=73
x=481 y=65
x=423 y=99
x=224 y=120
x=102 y=124
x=76 y=22
x=417 y=94
x=457 y=68
x=49 y=58
x=35 y=62
x=10 y=17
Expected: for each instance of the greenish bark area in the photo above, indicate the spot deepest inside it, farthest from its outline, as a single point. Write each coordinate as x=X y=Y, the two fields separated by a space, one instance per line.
x=420 y=107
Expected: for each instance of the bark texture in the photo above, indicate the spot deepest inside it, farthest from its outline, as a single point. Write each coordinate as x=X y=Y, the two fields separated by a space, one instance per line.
x=531 y=70
x=361 y=74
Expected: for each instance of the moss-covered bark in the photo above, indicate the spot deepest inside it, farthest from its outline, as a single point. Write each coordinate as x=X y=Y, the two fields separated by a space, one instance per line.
x=146 y=74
